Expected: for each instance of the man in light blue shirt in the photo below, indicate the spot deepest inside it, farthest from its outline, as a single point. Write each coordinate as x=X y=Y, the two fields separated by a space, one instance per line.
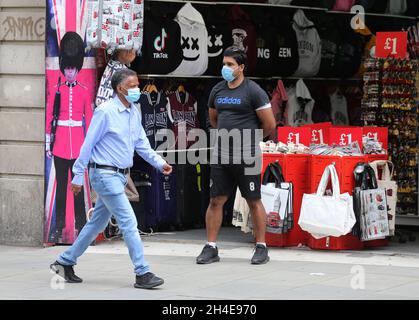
x=108 y=149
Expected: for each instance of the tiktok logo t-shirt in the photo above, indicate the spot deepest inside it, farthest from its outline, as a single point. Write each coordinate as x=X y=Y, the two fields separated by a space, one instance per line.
x=161 y=52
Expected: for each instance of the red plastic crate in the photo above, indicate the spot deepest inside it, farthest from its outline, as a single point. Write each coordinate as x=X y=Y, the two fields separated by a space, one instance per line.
x=348 y=242
x=268 y=158
x=344 y=168
x=375 y=157
x=317 y=166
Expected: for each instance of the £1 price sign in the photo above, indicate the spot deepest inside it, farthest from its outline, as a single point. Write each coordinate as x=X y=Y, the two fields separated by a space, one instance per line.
x=294 y=135
x=379 y=134
x=343 y=136
x=391 y=44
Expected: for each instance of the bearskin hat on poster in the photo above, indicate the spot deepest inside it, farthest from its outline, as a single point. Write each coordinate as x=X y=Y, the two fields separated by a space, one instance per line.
x=71 y=51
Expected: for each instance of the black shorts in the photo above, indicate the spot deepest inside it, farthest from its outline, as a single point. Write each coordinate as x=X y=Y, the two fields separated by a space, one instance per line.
x=226 y=177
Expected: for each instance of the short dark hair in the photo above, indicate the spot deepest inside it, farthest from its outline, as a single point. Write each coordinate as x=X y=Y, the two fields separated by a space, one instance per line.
x=237 y=54
x=120 y=76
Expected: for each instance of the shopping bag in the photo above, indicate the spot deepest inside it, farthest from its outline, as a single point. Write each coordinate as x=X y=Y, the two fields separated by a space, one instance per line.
x=276 y=198
x=241 y=213
x=390 y=186
x=370 y=205
x=324 y=216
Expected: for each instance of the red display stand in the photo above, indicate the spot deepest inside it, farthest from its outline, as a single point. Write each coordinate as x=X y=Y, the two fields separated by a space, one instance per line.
x=305 y=172
x=344 y=167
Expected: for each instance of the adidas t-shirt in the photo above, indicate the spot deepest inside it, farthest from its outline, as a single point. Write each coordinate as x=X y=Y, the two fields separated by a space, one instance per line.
x=236 y=110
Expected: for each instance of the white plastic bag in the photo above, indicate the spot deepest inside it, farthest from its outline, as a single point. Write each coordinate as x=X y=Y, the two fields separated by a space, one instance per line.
x=324 y=216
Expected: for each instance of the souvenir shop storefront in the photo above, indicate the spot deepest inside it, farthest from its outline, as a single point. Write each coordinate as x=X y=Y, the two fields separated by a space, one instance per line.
x=342 y=77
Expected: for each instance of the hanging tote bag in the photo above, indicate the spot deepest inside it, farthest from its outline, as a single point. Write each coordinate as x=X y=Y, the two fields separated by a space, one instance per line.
x=370 y=204
x=324 y=216
x=390 y=186
x=277 y=200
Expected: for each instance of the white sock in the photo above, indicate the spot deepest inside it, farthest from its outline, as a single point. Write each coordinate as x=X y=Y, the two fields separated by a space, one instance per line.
x=261 y=243
x=212 y=244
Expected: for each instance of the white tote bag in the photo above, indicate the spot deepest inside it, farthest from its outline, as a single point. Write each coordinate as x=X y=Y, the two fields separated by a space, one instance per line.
x=324 y=216
x=390 y=186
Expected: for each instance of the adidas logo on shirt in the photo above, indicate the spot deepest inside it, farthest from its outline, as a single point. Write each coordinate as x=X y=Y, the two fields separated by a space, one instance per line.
x=227 y=100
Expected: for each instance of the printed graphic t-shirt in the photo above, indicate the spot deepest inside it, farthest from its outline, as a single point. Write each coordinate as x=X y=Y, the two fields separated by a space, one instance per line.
x=105 y=91
x=236 y=109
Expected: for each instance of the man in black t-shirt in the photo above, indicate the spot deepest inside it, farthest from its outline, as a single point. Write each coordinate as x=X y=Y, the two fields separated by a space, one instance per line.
x=238 y=109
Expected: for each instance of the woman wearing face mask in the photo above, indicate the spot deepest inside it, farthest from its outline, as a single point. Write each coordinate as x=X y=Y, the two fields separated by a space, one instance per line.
x=240 y=107
x=75 y=106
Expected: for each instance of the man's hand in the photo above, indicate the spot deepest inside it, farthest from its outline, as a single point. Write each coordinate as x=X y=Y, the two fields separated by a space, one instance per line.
x=167 y=169
x=76 y=189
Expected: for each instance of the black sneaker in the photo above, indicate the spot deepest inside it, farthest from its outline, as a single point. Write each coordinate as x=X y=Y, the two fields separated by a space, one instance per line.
x=208 y=255
x=261 y=255
x=147 y=281
x=66 y=272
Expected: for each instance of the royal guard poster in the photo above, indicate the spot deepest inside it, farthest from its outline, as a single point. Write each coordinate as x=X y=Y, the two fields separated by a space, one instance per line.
x=70 y=91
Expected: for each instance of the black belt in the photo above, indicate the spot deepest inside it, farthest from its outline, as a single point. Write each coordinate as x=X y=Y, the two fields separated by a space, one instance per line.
x=116 y=169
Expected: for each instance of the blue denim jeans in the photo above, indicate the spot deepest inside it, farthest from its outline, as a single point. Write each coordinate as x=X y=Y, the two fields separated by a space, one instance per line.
x=111 y=200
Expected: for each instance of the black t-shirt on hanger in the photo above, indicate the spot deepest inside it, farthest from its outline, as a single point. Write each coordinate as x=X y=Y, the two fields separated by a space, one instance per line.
x=161 y=52
x=219 y=38
x=267 y=50
x=287 y=54
x=330 y=39
x=349 y=56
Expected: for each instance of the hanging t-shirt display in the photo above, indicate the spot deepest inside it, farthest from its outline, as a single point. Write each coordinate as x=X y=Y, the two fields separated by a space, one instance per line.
x=161 y=51
x=330 y=40
x=279 y=99
x=309 y=46
x=287 y=54
x=267 y=47
x=300 y=105
x=348 y=58
x=154 y=115
x=183 y=110
x=194 y=42
x=244 y=36
x=219 y=38
x=105 y=91
x=339 y=108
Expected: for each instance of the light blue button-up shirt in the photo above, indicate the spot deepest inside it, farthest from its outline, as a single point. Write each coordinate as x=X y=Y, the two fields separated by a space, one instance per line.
x=115 y=132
